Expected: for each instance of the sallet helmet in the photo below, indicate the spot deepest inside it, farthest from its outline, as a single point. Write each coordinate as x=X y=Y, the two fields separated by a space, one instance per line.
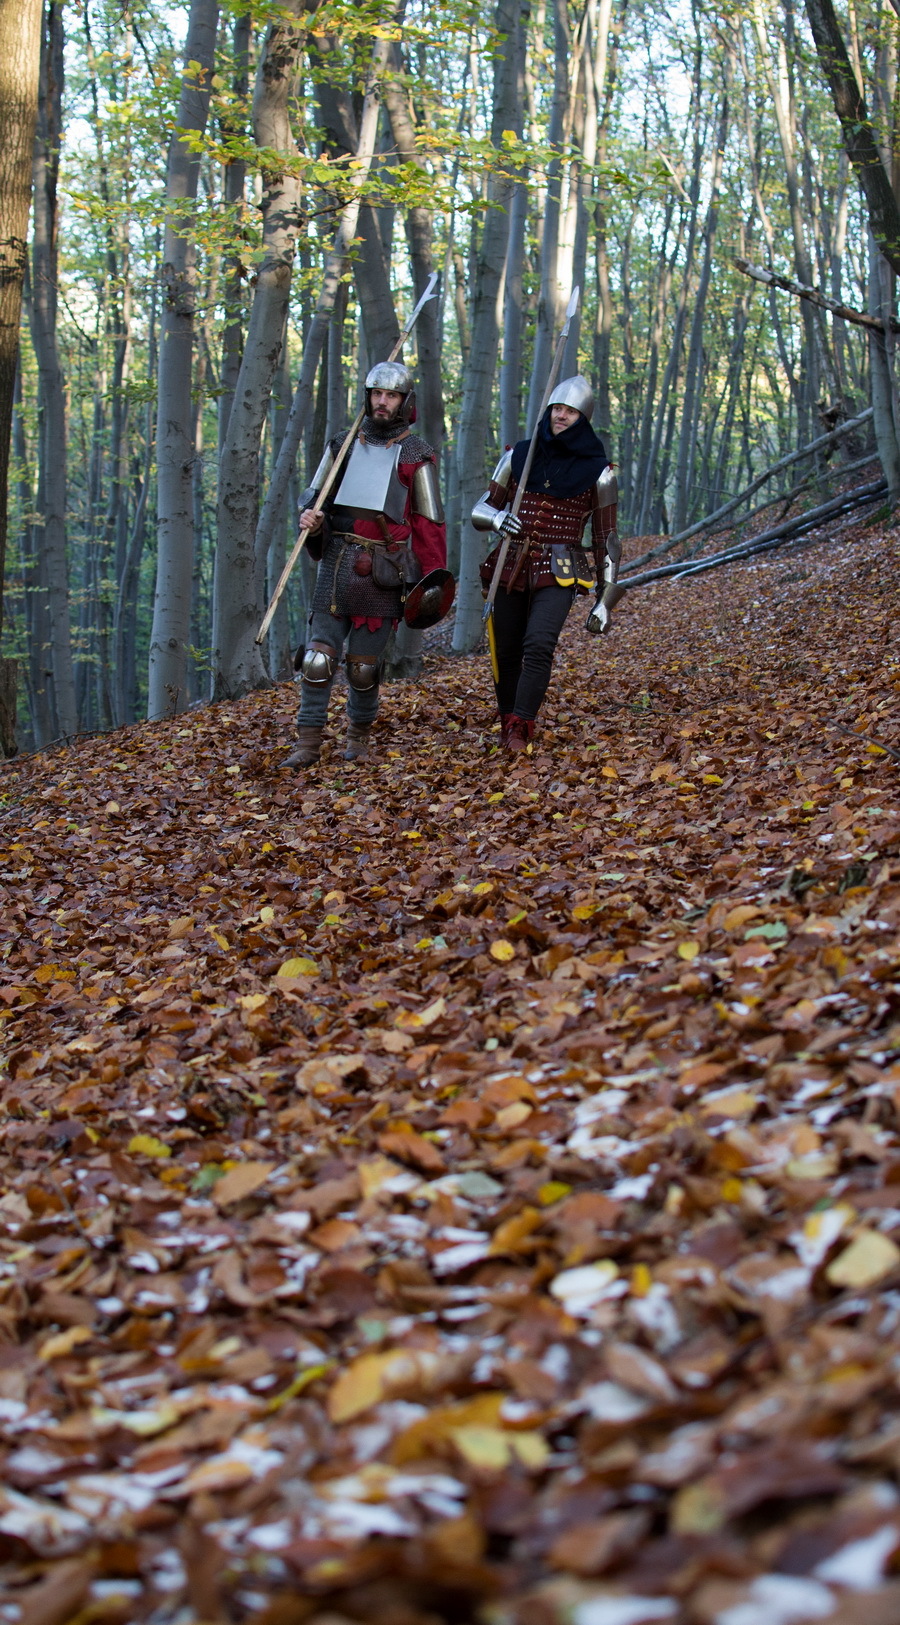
x=574 y=392
x=393 y=375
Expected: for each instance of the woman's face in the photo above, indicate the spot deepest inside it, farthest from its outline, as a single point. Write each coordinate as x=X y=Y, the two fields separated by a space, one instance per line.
x=562 y=417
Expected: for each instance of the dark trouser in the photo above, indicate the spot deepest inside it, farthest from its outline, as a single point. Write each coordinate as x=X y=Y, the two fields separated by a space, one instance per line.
x=526 y=630
x=362 y=704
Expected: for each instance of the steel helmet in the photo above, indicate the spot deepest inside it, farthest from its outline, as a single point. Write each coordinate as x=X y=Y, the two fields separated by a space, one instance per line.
x=575 y=392
x=393 y=375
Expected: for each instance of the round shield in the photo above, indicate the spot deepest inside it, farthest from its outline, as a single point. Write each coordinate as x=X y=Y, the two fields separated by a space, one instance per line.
x=430 y=600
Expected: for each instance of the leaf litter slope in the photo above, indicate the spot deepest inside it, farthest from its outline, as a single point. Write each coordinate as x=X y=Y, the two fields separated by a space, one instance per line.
x=435 y=1192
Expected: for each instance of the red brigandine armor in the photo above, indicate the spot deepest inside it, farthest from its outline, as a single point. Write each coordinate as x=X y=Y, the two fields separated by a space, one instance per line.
x=548 y=523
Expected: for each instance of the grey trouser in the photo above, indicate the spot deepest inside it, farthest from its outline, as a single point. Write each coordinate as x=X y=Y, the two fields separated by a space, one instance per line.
x=362 y=704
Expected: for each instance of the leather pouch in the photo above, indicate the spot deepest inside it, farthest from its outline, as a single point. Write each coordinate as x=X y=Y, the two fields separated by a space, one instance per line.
x=395 y=567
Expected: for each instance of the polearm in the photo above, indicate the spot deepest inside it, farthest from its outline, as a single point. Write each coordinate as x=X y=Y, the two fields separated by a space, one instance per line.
x=529 y=456
x=337 y=465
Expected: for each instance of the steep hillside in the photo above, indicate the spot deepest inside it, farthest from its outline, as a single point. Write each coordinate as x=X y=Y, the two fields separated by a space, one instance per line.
x=438 y=1192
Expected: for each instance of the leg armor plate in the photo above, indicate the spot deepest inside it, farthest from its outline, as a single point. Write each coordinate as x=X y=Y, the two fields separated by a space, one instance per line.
x=319 y=664
x=362 y=674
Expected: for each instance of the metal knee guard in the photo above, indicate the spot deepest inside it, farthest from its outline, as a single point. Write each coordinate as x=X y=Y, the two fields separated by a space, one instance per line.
x=319 y=664
x=362 y=673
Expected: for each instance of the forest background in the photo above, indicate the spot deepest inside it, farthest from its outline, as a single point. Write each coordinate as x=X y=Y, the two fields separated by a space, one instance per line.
x=227 y=229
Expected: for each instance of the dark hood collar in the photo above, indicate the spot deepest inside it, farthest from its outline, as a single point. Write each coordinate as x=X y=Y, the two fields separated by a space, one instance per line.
x=564 y=464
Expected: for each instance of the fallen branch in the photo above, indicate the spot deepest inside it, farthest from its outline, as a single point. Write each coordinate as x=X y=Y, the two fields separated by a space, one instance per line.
x=800 y=290
x=871 y=738
x=768 y=540
x=749 y=490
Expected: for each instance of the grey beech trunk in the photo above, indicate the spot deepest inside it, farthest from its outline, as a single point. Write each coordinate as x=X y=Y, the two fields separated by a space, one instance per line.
x=336 y=262
x=420 y=237
x=20 y=49
x=240 y=567
x=170 y=634
x=474 y=420
x=51 y=491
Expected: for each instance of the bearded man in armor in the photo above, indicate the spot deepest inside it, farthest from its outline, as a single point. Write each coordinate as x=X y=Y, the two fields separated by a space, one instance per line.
x=381 y=530
x=548 y=563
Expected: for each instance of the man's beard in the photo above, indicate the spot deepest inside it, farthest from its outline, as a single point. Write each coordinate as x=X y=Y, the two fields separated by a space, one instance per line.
x=379 y=428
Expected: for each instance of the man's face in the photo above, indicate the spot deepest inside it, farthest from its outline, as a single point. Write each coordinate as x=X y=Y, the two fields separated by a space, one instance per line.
x=385 y=404
x=562 y=417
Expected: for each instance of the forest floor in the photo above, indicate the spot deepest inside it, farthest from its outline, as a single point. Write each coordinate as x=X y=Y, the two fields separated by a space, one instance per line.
x=439 y=1192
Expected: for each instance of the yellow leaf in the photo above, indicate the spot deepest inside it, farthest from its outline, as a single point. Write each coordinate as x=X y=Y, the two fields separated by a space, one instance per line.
x=482 y=887
x=688 y=950
x=240 y=1181
x=253 y=1001
x=267 y=846
x=608 y=772
x=232 y=770
x=62 y=1343
x=532 y=1450
x=815 y=1165
x=218 y=937
x=385 y=1375
x=711 y=778
x=736 y=1103
x=298 y=967
x=488 y=1449
x=641 y=1281
x=511 y=1116
x=732 y=1190
x=585 y=911
x=53 y=973
x=869 y=1257
x=421 y=1018
x=663 y=770
x=267 y=916
x=310 y=1374
x=497 y=796
x=145 y=1145
x=553 y=1191
x=502 y=951
x=738 y=916
x=412 y=835
x=181 y=927
x=375 y=1173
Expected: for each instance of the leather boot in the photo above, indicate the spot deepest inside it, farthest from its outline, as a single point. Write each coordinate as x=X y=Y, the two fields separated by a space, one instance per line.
x=505 y=720
x=519 y=734
x=308 y=749
x=357 y=742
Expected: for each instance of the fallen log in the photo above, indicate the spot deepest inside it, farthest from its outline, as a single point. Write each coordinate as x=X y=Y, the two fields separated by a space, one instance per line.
x=791 y=530
x=749 y=490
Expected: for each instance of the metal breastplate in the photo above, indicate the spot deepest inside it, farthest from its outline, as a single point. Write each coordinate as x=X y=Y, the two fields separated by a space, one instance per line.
x=556 y=520
x=370 y=486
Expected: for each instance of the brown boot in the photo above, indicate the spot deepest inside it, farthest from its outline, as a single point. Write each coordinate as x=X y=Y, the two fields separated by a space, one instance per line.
x=309 y=747
x=357 y=742
x=519 y=734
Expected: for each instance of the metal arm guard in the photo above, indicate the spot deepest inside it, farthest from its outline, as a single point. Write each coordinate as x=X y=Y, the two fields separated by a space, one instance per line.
x=426 y=495
x=308 y=497
x=494 y=499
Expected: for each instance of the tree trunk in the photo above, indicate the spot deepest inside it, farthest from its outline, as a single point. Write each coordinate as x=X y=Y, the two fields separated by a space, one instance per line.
x=240 y=569
x=170 y=634
x=335 y=267
x=51 y=494
x=474 y=421
x=234 y=271
x=859 y=136
x=420 y=236
x=20 y=51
